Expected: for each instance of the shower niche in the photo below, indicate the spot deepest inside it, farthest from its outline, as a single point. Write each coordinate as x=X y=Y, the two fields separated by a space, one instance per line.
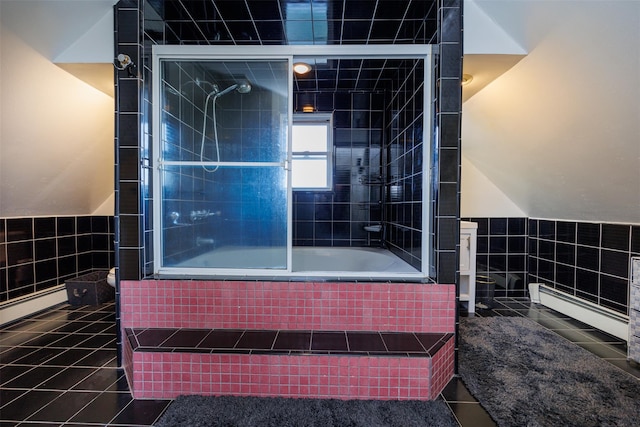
x=223 y=200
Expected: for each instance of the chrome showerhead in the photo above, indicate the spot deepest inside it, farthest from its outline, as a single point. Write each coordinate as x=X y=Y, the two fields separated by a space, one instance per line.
x=241 y=88
x=244 y=88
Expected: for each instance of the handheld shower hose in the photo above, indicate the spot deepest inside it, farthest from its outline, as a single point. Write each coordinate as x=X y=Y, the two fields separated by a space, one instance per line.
x=241 y=88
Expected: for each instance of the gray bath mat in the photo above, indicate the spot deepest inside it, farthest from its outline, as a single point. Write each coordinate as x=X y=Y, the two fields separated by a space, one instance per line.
x=281 y=412
x=526 y=375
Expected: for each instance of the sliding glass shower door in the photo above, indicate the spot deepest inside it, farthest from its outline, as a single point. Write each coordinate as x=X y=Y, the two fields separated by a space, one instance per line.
x=221 y=166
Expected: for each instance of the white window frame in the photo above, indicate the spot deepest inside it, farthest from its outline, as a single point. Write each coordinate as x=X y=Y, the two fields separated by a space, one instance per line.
x=315 y=119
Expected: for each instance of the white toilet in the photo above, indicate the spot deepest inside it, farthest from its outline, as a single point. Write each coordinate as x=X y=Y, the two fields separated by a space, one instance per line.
x=111 y=277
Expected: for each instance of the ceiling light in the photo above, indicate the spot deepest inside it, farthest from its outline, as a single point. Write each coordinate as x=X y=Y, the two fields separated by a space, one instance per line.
x=466 y=79
x=301 y=68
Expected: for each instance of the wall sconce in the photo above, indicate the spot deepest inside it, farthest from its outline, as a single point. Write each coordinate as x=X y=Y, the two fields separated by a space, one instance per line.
x=301 y=68
x=466 y=79
x=308 y=109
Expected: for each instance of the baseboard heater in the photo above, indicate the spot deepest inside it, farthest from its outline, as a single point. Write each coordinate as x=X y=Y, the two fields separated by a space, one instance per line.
x=30 y=304
x=601 y=318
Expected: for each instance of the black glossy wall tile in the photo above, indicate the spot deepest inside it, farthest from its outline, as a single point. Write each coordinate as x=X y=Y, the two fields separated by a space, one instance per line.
x=547 y=229
x=566 y=231
x=517 y=226
x=19 y=229
x=45 y=249
x=66 y=226
x=83 y=225
x=616 y=236
x=546 y=250
x=502 y=251
x=615 y=263
x=614 y=293
x=19 y=253
x=588 y=234
x=565 y=253
x=517 y=244
x=635 y=239
x=44 y=260
x=588 y=258
x=587 y=284
x=565 y=276
x=596 y=268
x=517 y=263
x=44 y=227
x=100 y=224
x=533 y=227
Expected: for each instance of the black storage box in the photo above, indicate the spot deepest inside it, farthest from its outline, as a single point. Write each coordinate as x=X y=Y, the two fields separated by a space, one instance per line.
x=89 y=289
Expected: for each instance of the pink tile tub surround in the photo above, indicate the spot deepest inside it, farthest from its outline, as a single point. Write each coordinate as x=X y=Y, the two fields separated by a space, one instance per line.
x=168 y=375
x=318 y=306
x=396 y=307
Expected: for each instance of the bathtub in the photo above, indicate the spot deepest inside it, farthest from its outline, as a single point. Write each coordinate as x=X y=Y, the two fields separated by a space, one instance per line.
x=314 y=261
x=348 y=259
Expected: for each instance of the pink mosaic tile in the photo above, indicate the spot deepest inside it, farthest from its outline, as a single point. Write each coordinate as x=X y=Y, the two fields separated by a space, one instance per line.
x=288 y=305
x=320 y=306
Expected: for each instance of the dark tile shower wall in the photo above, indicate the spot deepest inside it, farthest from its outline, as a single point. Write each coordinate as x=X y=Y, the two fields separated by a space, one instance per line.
x=183 y=118
x=42 y=252
x=141 y=24
x=585 y=259
x=502 y=252
x=445 y=149
x=338 y=217
x=404 y=148
x=133 y=221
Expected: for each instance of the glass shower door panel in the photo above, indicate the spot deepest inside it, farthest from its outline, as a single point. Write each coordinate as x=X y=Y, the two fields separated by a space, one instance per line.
x=224 y=144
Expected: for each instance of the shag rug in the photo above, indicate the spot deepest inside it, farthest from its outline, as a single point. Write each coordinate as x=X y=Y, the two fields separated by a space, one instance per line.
x=526 y=375
x=280 y=412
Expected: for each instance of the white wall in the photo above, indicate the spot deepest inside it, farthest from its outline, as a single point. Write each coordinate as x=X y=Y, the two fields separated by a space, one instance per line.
x=559 y=133
x=482 y=198
x=56 y=136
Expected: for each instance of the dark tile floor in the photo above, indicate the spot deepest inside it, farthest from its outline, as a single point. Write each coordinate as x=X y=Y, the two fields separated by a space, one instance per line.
x=59 y=368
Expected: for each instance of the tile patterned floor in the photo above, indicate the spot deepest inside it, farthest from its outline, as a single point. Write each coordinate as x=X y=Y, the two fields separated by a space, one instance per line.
x=59 y=368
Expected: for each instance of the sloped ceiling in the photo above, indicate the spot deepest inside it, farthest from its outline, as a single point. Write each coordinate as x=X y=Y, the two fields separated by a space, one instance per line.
x=559 y=132
x=56 y=132
x=52 y=27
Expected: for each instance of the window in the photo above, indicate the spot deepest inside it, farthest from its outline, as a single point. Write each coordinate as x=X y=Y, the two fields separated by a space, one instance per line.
x=311 y=148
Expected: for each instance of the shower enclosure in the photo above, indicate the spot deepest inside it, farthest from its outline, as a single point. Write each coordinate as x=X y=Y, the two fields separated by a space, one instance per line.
x=223 y=157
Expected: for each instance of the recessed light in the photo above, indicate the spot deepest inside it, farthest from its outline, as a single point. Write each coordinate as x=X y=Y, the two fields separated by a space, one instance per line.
x=301 y=68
